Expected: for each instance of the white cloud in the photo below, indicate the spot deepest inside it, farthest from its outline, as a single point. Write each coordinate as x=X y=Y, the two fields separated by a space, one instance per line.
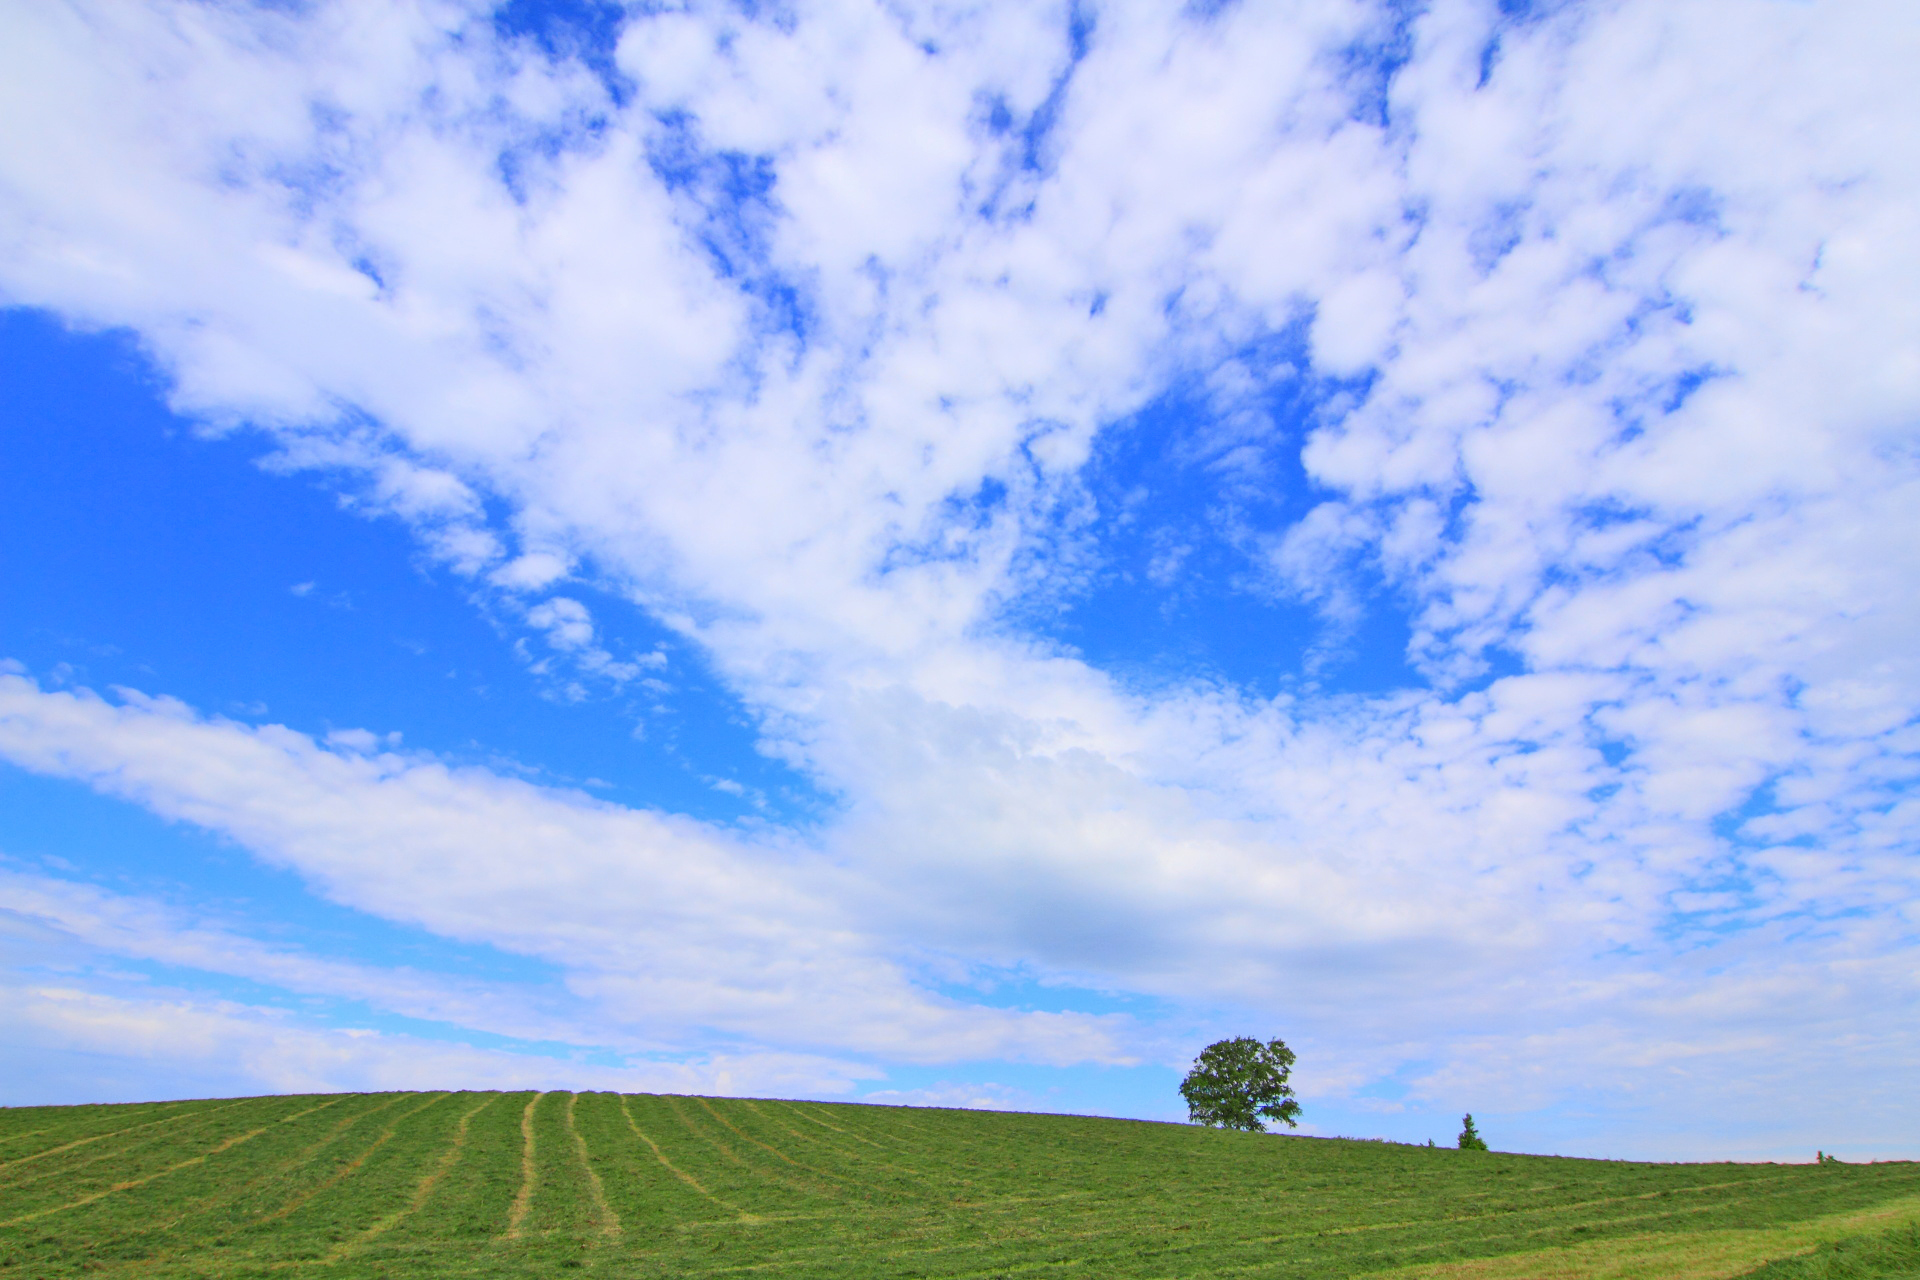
x=567 y=623
x=985 y=1096
x=1634 y=288
x=532 y=571
x=670 y=930
x=133 y=928
x=1355 y=322
x=250 y=1052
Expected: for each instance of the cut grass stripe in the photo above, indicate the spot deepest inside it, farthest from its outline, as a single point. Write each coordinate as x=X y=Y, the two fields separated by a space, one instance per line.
x=760 y=1170
x=609 y=1221
x=115 y=1114
x=650 y=1200
x=763 y=1189
x=1888 y=1254
x=563 y=1201
x=768 y=1147
x=862 y=1165
x=154 y=1153
x=676 y=1170
x=423 y=1190
x=354 y=1165
x=807 y=1115
x=137 y=1231
x=119 y=1187
x=473 y=1200
x=230 y=1195
x=1706 y=1255
x=101 y=1137
x=673 y=1105
x=523 y=1200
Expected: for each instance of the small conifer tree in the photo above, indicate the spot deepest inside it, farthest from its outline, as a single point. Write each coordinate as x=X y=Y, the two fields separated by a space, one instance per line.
x=1470 y=1139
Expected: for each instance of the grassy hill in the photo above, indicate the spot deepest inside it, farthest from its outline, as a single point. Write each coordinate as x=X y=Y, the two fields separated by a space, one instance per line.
x=491 y=1184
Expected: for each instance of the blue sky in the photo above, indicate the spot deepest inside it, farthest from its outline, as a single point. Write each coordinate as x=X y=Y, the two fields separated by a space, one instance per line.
x=956 y=556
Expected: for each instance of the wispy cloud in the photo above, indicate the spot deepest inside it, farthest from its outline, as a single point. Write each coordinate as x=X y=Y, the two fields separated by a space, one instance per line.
x=674 y=933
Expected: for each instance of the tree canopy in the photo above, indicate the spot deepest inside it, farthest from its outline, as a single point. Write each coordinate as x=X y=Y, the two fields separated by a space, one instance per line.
x=1470 y=1139
x=1234 y=1083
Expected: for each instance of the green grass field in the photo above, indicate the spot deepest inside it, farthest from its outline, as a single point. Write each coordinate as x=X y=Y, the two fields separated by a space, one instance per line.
x=491 y=1184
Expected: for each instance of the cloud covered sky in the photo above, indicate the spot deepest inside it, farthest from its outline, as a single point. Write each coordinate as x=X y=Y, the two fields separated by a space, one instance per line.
x=957 y=553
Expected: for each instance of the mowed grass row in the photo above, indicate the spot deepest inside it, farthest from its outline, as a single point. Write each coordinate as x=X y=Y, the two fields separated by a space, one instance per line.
x=484 y=1184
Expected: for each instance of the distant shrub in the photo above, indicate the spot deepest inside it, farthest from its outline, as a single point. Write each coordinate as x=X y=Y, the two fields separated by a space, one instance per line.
x=1470 y=1139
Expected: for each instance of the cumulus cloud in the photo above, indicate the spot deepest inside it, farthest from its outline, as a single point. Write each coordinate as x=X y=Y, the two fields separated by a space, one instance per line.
x=800 y=336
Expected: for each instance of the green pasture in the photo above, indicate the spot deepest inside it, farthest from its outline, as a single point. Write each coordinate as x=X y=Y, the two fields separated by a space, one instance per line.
x=523 y=1184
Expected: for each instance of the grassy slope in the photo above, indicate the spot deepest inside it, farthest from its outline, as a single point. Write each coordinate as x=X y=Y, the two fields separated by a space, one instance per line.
x=1890 y=1253
x=523 y=1184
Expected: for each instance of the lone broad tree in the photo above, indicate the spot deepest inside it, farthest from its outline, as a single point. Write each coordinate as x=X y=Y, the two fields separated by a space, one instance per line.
x=1235 y=1082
